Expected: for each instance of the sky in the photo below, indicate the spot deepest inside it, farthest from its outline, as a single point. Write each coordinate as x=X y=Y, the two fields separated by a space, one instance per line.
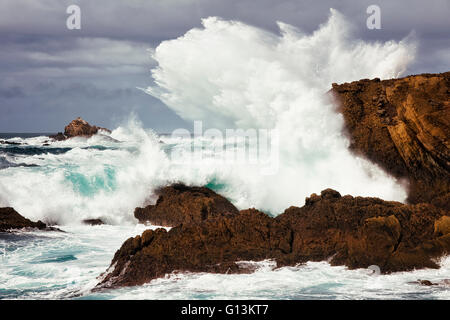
x=50 y=75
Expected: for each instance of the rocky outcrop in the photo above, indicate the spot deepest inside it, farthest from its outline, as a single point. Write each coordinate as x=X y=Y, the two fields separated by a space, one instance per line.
x=214 y=245
x=180 y=204
x=359 y=232
x=353 y=231
x=400 y=124
x=78 y=128
x=10 y=219
x=403 y=125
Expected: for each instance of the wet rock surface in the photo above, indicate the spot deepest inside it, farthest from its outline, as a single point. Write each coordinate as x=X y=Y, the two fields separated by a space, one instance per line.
x=93 y=222
x=77 y=128
x=180 y=204
x=354 y=231
x=10 y=219
x=403 y=125
x=10 y=143
x=428 y=283
x=400 y=124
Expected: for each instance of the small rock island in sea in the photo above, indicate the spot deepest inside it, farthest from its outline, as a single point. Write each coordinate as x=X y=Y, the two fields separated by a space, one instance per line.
x=11 y=219
x=78 y=128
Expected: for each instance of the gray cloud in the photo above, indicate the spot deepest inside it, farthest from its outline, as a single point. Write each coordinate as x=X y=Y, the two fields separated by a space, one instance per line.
x=12 y=92
x=49 y=74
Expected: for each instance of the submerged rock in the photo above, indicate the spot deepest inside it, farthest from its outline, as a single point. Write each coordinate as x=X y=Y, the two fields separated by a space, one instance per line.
x=354 y=231
x=403 y=125
x=428 y=283
x=180 y=204
x=10 y=142
x=10 y=219
x=78 y=128
x=58 y=137
x=93 y=222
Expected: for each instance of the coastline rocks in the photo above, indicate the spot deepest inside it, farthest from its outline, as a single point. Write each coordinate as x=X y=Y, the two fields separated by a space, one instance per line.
x=403 y=125
x=11 y=219
x=214 y=245
x=78 y=128
x=354 y=231
x=426 y=283
x=361 y=231
x=179 y=204
x=400 y=124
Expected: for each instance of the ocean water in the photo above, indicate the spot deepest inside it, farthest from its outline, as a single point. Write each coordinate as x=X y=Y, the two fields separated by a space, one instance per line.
x=51 y=265
x=230 y=75
x=64 y=188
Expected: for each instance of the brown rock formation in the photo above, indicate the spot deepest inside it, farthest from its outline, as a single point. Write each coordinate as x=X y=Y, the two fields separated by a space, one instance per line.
x=179 y=204
x=58 y=137
x=10 y=219
x=359 y=232
x=400 y=124
x=78 y=128
x=214 y=245
x=404 y=126
x=352 y=231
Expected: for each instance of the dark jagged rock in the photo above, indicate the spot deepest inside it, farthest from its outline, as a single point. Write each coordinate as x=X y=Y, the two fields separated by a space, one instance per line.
x=403 y=125
x=78 y=128
x=400 y=124
x=58 y=137
x=10 y=219
x=359 y=232
x=93 y=222
x=10 y=142
x=180 y=204
x=214 y=245
x=428 y=283
x=345 y=230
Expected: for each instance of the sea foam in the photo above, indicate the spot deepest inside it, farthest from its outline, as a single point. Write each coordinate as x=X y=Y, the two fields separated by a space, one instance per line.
x=228 y=75
x=232 y=75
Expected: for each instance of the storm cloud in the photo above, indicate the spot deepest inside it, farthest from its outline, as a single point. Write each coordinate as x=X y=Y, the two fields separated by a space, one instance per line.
x=49 y=74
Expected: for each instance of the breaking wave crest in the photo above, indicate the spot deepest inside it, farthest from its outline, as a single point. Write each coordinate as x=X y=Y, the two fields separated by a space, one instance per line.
x=228 y=75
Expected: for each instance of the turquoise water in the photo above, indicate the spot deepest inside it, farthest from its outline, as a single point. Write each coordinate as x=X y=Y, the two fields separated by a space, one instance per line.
x=89 y=186
x=98 y=178
x=53 y=265
x=43 y=265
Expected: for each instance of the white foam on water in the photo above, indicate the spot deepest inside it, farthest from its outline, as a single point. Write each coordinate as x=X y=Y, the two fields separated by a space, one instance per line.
x=229 y=75
x=232 y=75
x=314 y=280
x=53 y=265
x=85 y=182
